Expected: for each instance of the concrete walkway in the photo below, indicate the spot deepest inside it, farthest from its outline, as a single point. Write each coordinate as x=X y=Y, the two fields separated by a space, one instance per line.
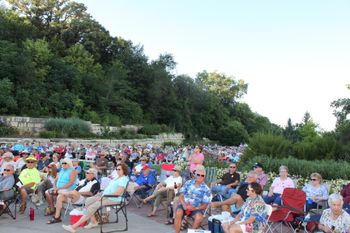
x=137 y=224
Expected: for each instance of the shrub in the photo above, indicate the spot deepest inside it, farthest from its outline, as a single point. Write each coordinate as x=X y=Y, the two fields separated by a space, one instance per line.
x=267 y=144
x=48 y=134
x=7 y=130
x=329 y=169
x=70 y=127
x=154 y=129
x=170 y=143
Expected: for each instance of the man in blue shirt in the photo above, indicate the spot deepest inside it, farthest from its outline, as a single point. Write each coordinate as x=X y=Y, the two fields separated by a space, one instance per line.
x=194 y=199
x=145 y=181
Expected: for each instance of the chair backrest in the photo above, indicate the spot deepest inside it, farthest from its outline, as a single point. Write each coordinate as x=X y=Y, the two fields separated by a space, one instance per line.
x=294 y=198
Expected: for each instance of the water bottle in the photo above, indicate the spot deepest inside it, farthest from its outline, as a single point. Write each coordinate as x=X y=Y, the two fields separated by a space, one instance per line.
x=31 y=214
x=175 y=185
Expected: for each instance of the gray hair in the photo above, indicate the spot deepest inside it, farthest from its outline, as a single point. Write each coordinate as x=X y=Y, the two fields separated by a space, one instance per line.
x=283 y=167
x=335 y=197
x=10 y=166
x=253 y=173
x=94 y=171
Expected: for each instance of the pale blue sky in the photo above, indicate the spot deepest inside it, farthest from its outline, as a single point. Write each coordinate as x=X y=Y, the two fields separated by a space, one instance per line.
x=294 y=54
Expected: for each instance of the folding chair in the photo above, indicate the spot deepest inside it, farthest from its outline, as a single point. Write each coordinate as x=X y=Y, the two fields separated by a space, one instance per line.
x=119 y=207
x=9 y=203
x=267 y=228
x=293 y=206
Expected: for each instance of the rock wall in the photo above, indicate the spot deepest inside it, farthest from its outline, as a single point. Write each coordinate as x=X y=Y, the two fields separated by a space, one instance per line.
x=33 y=126
x=157 y=140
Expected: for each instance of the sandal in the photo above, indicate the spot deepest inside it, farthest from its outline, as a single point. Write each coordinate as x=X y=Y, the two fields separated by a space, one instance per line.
x=169 y=222
x=151 y=215
x=184 y=226
x=54 y=220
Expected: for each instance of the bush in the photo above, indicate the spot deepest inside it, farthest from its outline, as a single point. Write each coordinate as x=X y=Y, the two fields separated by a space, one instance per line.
x=267 y=144
x=70 y=127
x=329 y=169
x=170 y=143
x=154 y=129
x=7 y=130
x=48 y=134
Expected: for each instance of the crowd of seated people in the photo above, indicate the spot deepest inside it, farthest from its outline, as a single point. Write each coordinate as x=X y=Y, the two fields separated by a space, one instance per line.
x=56 y=174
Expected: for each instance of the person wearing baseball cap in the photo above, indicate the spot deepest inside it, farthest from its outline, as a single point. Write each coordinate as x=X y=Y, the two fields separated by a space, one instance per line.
x=262 y=177
x=30 y=178
x=144 y=181
x=165 y=189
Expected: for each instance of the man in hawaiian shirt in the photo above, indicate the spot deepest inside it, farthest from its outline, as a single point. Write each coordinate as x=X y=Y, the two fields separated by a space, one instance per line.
x=194 y=198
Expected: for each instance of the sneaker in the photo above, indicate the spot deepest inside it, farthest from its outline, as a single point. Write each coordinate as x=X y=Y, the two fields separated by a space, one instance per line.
x=91 y=225
x=69 y=228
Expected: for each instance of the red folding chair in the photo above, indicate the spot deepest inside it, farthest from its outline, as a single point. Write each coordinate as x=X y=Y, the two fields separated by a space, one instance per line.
x=293 y=206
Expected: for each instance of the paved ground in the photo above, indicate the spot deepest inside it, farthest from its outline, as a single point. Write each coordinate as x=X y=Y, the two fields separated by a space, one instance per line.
x=137 y=223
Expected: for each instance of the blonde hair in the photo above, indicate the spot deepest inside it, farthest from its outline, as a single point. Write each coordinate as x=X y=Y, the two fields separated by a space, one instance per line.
x=317 y=175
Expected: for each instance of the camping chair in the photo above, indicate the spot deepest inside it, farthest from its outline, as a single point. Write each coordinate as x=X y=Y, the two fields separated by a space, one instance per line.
x=11 y=201
x=166 y=171
x=267 y=228
x=293 y=206
x=211 y=175
x=119 y=207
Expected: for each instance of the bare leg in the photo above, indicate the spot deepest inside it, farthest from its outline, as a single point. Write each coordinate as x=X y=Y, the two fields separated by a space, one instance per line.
x=49 y=199
x=178 y=220
x=197 y=221
x=59 y=202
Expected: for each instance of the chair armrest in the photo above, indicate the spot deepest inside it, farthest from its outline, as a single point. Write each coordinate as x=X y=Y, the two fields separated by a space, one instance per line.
x=111 y=195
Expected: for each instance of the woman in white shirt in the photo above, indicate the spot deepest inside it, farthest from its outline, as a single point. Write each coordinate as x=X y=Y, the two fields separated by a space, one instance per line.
x=278 y=185
x=167 y=189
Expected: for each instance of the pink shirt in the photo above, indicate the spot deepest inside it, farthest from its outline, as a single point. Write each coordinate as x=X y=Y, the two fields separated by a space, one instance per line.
x=279 y=185
x=196 y=157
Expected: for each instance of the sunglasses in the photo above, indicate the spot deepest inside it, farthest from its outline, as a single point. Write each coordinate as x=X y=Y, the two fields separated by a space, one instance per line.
x=30 y=162
x=313 y=179
x=7 y=170
x=200 y=175
x=232 y=167
x=64 y=163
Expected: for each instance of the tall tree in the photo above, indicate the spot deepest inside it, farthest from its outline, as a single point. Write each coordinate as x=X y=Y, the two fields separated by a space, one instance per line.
x=227 y=88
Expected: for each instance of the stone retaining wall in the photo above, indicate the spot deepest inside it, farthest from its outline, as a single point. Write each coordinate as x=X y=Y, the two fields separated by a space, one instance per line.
x=33 y=126
x=157 y=140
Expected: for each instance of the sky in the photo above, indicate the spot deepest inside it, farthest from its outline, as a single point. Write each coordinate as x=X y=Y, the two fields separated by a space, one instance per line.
x=293 y=54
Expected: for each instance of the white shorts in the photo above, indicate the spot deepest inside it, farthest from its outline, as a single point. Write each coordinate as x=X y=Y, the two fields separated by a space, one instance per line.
x=80 y=201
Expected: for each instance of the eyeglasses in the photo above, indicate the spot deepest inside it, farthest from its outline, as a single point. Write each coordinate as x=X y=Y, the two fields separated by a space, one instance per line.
x=200 y=175
x=7 y=170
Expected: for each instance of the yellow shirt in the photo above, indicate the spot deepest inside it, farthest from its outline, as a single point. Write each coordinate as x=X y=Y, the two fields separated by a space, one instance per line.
x=30 y=175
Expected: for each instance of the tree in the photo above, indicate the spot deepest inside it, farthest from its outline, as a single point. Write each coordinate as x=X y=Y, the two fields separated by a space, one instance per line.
x=7 y=101
x=227 y=88
x=342 y=108
x=50 y=17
